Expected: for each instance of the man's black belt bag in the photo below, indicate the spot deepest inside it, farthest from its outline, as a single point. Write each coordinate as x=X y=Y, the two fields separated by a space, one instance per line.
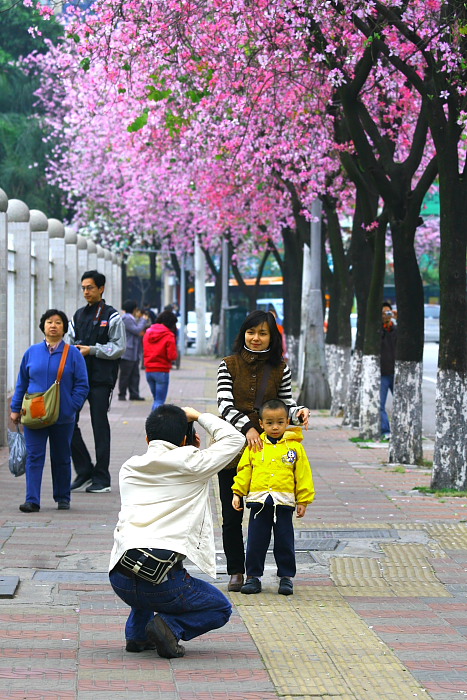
x=151 y=564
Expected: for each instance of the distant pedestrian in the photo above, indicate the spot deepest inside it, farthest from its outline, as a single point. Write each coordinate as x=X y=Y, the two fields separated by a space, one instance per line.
x=160 y=350
x=274 y=481
x=388 y=363
x=97 y=330
x=135 y=326
x=254 y=373
x=38 y=371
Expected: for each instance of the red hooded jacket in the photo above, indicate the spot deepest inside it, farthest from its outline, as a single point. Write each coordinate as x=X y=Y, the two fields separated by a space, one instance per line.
x=160 y=348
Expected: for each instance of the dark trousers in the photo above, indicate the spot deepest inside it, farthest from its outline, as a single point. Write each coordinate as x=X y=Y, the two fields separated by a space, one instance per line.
x=261 y=524
x=232 y=534
x=59 y=437
x=99 y=401
x=128 y=379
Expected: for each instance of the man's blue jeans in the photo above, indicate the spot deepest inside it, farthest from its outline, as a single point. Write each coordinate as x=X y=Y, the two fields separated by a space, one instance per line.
x=387 y=383
x=159 y=385
x=189 y=606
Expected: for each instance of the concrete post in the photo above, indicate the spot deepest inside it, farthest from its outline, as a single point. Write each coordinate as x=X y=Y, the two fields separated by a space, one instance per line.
x=19 y=318
x=57 y=258
x=200 y=298
x=109 y=283
x=83 y=264
x=117 y=281
x=72 y=285
x=40 y=242
x=92 y=256
x=3 y=318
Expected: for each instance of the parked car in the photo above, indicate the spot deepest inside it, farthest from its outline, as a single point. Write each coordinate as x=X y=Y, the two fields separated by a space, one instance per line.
x=432 y=323
x=192 y=327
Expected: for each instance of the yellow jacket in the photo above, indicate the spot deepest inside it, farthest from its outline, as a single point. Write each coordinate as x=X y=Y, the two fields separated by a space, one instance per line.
x=281 y=471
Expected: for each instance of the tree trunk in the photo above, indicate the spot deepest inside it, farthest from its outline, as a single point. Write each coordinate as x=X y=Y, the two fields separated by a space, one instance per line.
x=293 y=263
x=449 y=464
x=408 y=401
x=406 y=434
x=370 y=415
x=338 y=366
x=352 y=406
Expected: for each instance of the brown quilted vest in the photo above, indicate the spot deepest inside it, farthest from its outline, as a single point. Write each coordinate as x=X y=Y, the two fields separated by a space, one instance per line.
x=246 y=370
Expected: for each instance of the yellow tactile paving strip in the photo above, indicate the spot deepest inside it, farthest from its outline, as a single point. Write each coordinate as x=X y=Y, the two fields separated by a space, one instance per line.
x=314 y=645
x=449 y=536
x=403 y=570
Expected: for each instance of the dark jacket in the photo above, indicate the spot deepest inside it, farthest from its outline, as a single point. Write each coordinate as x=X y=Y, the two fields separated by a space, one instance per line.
x=38 y=371
x=101 y=327
x=388 y=350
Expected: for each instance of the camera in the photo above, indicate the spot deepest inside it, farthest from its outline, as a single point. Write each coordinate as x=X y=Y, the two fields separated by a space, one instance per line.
x=191 y=434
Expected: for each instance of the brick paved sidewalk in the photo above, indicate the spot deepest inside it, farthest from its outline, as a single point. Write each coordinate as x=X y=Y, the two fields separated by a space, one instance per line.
x=379 y=611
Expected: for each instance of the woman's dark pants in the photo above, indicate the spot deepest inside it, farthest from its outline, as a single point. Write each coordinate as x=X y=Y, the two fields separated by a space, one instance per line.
x=232 y=533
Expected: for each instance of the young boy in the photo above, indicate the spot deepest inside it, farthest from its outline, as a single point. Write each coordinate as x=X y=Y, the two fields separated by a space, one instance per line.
x=274 y=481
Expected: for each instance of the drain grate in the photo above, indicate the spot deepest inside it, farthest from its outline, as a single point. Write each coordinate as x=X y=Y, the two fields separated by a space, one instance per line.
x=346 y=534
x=307 y=544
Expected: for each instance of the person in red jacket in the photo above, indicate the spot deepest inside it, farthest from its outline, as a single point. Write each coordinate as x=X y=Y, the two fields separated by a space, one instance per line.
x=160 y=350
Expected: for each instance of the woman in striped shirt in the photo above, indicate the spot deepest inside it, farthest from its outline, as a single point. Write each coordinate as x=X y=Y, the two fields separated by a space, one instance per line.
x=255 y=373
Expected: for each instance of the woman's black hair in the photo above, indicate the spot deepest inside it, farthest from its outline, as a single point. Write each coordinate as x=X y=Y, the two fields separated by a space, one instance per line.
x=54 y=312
x=167 y=318
x=256 y=318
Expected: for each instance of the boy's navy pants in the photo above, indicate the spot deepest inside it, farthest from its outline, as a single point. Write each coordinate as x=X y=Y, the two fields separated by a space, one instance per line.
x=259 y=536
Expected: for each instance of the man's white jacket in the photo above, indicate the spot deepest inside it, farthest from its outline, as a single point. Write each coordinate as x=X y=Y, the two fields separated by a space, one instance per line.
x=165 y=496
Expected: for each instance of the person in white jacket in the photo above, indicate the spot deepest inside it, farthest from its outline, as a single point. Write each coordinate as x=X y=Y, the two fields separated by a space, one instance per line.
x=166 y=516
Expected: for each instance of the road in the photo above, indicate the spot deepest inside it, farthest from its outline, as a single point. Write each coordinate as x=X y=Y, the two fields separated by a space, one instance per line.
x=430 y=366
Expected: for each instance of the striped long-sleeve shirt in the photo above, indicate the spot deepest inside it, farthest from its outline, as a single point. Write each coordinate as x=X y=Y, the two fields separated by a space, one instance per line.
x=230 y=405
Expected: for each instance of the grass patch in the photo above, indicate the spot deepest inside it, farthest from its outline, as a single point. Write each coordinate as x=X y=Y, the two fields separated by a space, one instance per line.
x=359 y=439
x=441 y=493
x=399 y=469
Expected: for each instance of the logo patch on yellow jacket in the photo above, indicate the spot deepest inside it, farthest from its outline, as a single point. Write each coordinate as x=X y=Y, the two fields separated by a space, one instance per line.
x=290 y=457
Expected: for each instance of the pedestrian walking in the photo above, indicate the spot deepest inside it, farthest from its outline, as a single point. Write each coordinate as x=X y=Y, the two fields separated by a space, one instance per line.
x=274 y=481
x=388 y=363
x=165 y=517
x=255 y=373
x=38 y=371
x=97 y=330
x=135 y=323
x=160 y=351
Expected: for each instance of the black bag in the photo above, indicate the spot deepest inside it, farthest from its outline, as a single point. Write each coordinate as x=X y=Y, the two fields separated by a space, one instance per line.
x=17 y=445
x=151 y=564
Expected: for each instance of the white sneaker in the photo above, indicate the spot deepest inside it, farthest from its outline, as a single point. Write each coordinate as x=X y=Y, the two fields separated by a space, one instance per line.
x=98 y=489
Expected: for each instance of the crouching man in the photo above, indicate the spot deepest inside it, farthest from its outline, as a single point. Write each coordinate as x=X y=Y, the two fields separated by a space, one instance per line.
x=165 y=516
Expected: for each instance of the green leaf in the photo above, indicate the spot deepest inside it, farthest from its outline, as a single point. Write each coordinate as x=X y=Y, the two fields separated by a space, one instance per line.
x=139 y=122
x=85 y=63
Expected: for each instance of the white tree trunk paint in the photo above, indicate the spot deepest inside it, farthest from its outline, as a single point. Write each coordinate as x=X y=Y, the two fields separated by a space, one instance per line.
x=352 y=406
x=406 y=422
x=370 y=417
x=293 y=354
x=213 y=340
x=338 y=364
x=450 y=456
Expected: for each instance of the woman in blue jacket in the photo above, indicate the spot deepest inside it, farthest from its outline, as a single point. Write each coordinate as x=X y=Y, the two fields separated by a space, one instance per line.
x=38 y=371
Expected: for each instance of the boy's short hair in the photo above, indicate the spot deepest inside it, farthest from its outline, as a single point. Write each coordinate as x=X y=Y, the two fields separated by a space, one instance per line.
x=273 y=404
x=167 y=422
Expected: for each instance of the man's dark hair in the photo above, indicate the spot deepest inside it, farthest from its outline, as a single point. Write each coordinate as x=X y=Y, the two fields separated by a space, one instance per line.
x=98 y=277
x=53 y=312
x=256 y=318
x=129 y=306
x=167 y=422
x=386 y=303
x=273 y=405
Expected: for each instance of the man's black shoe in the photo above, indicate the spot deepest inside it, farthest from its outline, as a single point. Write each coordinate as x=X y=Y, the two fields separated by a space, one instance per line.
x=29 y=507
x=137 y=398
x=166 y=642
x=135 y=647
x=96 y=488
x=80 y=483
x=252 y=585
x=63 y=505
x=285 y=586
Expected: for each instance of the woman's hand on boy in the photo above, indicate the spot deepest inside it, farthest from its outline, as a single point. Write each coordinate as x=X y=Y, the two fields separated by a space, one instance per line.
x=237 y=502
x=303 y=416
x=254 y=440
